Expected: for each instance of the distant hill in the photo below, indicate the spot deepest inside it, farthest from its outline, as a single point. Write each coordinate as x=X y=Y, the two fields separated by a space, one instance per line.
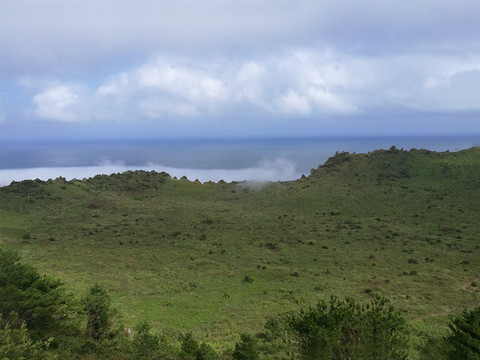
x=404 y=224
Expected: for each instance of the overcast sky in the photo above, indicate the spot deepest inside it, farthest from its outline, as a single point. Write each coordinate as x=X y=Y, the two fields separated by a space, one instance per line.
x=187 y=68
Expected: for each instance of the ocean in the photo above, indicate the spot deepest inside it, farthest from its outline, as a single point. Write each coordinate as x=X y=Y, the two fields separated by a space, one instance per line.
x=272 y=159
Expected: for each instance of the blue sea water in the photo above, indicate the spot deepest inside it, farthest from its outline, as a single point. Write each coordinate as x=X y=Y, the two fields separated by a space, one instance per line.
x=229 y=159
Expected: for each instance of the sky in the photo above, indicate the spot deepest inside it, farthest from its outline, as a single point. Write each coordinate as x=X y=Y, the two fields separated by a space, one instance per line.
x=243 y=68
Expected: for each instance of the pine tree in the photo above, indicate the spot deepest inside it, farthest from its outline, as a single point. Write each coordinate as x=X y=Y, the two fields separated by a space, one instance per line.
x=465 y=337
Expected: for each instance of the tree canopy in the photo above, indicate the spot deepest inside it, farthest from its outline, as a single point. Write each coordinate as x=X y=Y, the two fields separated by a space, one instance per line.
x=27 y=298
x=350 y=330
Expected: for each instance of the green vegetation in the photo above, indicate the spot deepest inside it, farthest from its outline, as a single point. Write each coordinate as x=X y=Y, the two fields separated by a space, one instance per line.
x=465 y=338
x=348 y=330
x=26 y=298
x=17 y=344
x=216 y=260
x=97 y=308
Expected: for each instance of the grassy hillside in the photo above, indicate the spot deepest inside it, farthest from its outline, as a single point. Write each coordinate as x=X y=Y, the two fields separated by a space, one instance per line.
x=220 y=258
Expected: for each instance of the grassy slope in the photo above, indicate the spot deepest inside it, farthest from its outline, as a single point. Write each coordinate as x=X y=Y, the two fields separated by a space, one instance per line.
x=176 y=252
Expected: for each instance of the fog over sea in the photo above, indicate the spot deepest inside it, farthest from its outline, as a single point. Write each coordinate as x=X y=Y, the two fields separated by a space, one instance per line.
x=231 y=160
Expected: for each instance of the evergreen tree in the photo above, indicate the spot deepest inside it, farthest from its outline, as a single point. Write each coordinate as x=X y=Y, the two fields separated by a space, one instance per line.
x=27 y=298
x=246 y=348
x=98 y=310
x=146 y=344
x=349 y=330
x=16 y=344
x=465 y=337
x=191 y=350
x=188 y=347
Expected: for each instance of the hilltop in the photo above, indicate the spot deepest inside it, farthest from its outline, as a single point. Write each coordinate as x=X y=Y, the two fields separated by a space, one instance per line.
x=221 y=258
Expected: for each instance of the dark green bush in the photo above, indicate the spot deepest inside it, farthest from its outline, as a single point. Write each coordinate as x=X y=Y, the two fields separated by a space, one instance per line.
x=17 y=344
x=349 y=330
x=26 y=297
x=98 y=310
x=191 y=350
x=247 y=279
x=465 y=337
x=246 y=348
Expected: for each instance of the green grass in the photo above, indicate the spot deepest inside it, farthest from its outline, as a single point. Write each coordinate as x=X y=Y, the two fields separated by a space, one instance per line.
x=402 y=224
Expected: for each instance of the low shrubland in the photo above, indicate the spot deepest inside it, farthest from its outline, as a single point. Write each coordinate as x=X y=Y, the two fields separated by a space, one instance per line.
x=216 y=260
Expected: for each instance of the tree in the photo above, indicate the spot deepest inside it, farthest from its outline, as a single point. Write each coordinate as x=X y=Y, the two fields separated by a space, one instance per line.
x=188 y=347
x=349 y=330
x=246 y=348
x=191 y=350
x=28 y=298
x=98 y=310
x=17 y=344
x=465 y=337
x=146 y=344
x=207 y=352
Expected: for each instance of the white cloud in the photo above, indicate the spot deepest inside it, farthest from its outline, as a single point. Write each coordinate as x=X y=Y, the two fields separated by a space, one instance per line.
x=116 y=85
x=305 y=83
x=294 y=103
x=169 y=86
x=275 y=170
x=325 y=99
x=459 y=91
x=57 y=103
x=158 y=108
x=248 y=83
x=212 y=88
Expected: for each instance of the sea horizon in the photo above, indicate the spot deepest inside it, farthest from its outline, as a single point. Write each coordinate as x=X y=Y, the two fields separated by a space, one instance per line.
x=215 y=159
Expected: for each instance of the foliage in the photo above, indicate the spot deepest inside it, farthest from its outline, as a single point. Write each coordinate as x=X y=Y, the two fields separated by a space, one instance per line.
x=350 y=330
x=16 y=344
x=246 y=348
x=97 y=305
x=465 y=337
x=147 y=345
x=26 y=297
x=191 y=350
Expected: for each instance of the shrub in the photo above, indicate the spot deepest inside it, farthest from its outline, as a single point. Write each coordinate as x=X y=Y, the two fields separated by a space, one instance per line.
x=191 y=350
x=147 y=345
x=247 y=279
x=97 y=307
x=246 y=348
x=349 y=330
x=465 y=337
x=273 y=326
x=271 y=246
x=16 y=344
x=28 y=298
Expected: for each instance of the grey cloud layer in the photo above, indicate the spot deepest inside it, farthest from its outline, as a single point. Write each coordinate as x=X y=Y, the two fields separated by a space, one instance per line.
x=104 y=61
x=60 y=35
